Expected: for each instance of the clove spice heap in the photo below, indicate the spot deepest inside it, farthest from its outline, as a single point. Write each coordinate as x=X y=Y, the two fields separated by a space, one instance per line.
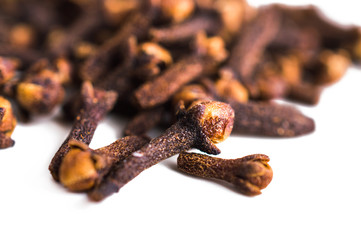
x=198 y=69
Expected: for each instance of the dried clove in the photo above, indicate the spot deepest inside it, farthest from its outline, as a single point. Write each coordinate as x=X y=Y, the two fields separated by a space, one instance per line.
x=83 y=167
x=200 y=127
x=42 y=89
x=95 y=104
x=150 y=60
x=158 y=91
x=270 y=119
x=251 y=44
x=248 y=174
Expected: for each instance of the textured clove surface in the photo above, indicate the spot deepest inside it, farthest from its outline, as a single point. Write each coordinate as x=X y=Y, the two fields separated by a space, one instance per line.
x=200 y=127
x=249 y=174
x=171 y=66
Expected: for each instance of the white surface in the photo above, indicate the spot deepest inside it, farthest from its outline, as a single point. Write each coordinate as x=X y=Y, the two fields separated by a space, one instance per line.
x=315 y=192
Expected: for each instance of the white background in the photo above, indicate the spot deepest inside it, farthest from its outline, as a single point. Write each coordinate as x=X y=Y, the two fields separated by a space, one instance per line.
x=315 y=192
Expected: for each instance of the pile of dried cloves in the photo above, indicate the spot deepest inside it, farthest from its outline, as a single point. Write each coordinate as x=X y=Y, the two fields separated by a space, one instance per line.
x=199 y=69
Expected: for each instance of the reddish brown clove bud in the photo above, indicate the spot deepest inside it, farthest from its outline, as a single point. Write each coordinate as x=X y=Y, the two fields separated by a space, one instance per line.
x=211 y=54
x=150 y=60
x=199 y=127
x=249 y=174
x=41 y=90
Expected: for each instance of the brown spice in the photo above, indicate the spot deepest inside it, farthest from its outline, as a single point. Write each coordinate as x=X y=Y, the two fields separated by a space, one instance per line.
x=251 y=44
x=248 y=174
x=83 y=167
x=270 y=119
x=201 y=126
x=42 y=90
x=160 y=89
x=96 y=104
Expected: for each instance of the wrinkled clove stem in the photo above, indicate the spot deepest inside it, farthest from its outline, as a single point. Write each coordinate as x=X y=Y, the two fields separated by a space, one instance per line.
x=96 y=104
x=159 y=90
x=249 y=174
x=200 y=127
x=270 y=119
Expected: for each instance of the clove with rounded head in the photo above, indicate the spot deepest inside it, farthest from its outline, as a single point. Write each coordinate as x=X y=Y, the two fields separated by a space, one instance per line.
x=249 y=174
x=201 y=126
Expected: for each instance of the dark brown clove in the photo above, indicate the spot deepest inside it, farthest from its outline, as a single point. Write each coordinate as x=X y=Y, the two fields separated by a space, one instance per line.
x=251 y=44
x=211 y=53
x=95 y=104
x=83 y=167
x=150 y=60
x=42 y=89
x=270 y=119
x=249 y=174
x=200 y=127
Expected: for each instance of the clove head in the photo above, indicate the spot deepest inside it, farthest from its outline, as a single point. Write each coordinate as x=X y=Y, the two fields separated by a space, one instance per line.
x=41 y=90
x=229 y=88
x=40 y=93
x=214 y=118
x=253 y=174
x=214 y=47
x=78 y=171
